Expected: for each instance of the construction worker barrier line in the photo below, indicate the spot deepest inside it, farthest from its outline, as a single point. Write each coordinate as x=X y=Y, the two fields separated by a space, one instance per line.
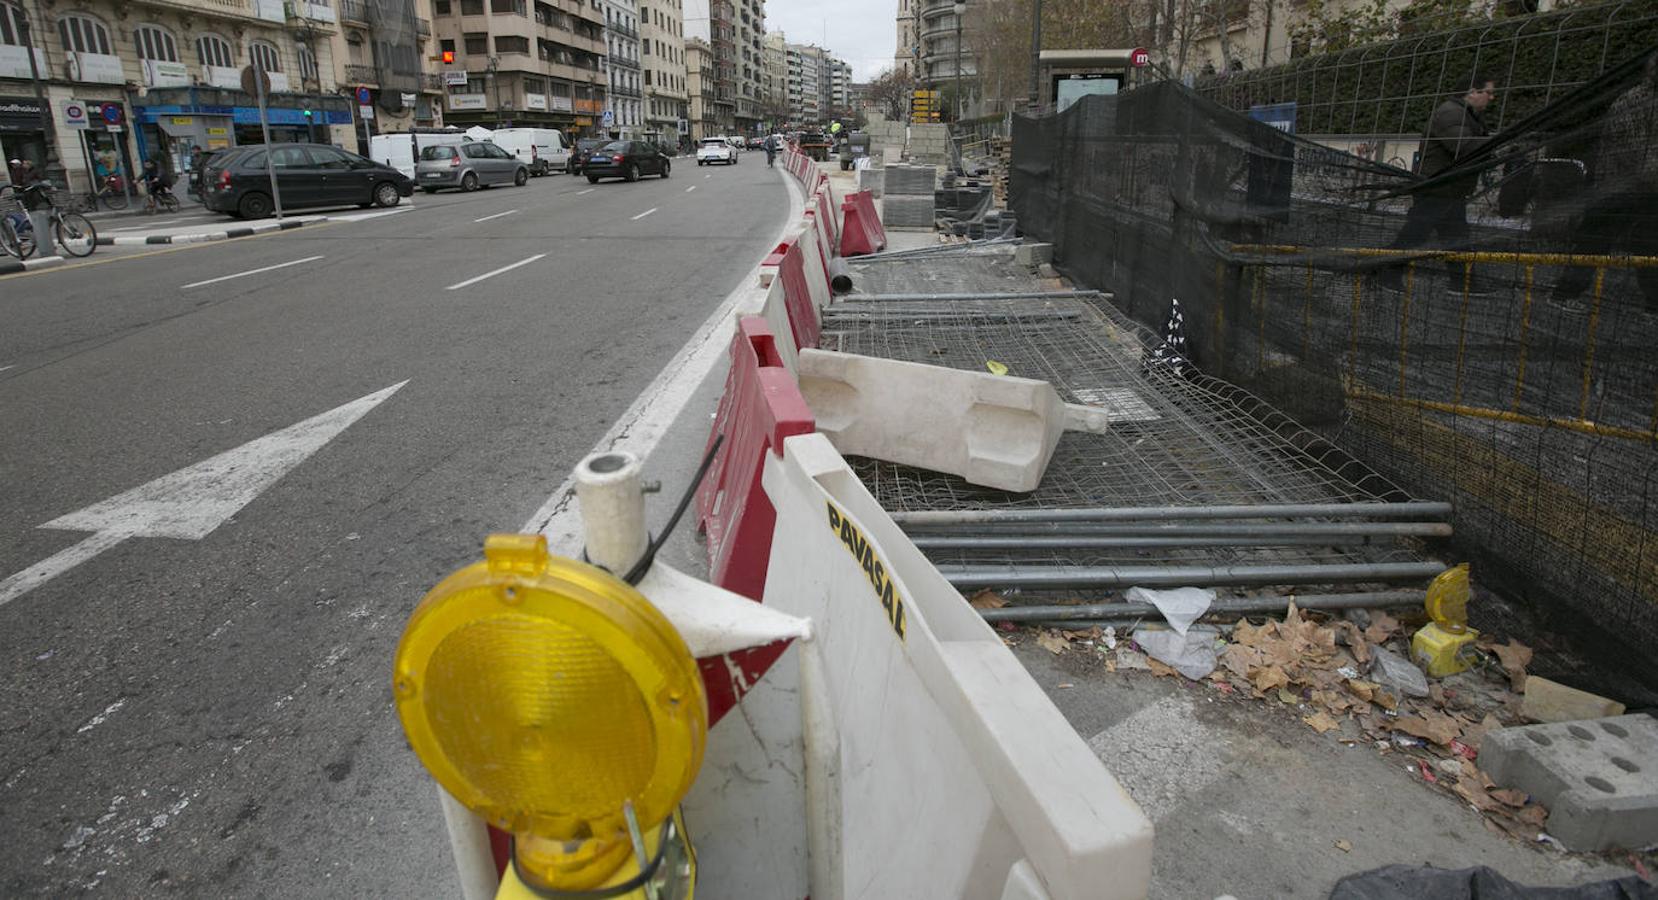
x=759 y=406
x=861 y=229
x=925 y=702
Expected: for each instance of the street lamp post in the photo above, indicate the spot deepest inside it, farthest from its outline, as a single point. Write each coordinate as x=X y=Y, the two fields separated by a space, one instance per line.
x=961 y=10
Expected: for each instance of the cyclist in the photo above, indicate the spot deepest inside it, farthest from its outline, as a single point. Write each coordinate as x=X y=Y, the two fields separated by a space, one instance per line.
x=772 y=142
x=157 y=183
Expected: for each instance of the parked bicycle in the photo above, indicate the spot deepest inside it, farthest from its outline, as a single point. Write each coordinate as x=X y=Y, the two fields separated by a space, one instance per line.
x=111 y=192
x=74 y=235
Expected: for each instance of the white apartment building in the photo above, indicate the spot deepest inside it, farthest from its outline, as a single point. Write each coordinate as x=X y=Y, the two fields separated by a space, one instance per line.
x=622 y=63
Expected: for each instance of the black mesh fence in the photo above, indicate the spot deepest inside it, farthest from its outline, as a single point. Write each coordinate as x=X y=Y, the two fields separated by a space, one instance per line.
x=1505 y=364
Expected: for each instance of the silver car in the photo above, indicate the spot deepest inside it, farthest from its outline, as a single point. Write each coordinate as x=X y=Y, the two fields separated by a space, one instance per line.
x=468 y=166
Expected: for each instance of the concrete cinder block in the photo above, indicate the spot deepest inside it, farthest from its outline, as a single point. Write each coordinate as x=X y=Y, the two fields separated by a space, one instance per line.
x=993 y=430
x=1597 y=777
x=1032 y=255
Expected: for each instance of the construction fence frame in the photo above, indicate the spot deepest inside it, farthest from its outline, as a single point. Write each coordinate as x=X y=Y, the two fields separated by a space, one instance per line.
x=1391 y=88
x=1537 y=421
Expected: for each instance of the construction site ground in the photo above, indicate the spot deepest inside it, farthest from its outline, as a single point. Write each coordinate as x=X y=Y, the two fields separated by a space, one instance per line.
x=1247 y=800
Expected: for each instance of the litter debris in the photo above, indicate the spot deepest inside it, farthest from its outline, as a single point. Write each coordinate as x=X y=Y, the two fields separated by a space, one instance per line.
x=1550 y=701
x=1394 y=671
x=1108 y=638
x=1130 y=659
x=1514 y=656
x=995 y=367
x=1321 y=722
x=1344 y=846
x=1180 y=606
x=1052 y=641
x=1192 y=654
x=987 y=599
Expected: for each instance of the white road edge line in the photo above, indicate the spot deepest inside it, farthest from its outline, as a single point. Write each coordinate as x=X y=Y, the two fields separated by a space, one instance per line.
x=472 y=281
x=251 y=272
x=588 y=191
x=496 y=216
x=645 y=213
x=643 y=424
x=690 y=189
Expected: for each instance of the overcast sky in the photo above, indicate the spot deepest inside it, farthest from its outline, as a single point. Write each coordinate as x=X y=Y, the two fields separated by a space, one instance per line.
x=864 y=33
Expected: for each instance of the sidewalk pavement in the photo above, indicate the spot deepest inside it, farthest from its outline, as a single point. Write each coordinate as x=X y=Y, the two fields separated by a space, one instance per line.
x=199 y=232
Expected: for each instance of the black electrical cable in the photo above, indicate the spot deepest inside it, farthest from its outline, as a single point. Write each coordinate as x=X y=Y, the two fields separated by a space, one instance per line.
x=644 y=564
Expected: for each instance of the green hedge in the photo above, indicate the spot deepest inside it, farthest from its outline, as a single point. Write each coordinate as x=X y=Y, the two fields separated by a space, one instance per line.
x=1392 y=87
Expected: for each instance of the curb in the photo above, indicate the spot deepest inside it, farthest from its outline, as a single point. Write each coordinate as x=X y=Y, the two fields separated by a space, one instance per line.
x=9 y=266
x=200 y=237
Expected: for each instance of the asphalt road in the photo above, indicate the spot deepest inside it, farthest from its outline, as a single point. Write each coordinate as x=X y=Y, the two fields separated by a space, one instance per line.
x=209 y=712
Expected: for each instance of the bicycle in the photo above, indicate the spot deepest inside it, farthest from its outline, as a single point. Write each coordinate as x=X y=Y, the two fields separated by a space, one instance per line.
x=162 y=198
x=111 y=191
x=73 y=233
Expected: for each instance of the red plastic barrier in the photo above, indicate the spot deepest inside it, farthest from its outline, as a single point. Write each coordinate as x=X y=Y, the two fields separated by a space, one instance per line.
x=861 y=229
x=797 y=296
x=826 y=215
x=761 y=405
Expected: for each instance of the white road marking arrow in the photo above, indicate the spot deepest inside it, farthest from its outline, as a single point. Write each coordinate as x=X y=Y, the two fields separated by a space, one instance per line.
x=190 y=503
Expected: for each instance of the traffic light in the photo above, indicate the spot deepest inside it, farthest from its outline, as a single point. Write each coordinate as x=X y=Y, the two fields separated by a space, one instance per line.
x=307 y=115
x=448 y=57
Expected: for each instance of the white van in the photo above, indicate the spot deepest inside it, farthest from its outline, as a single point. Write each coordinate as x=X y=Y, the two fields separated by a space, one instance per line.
x=400 y=149
x=542 y=149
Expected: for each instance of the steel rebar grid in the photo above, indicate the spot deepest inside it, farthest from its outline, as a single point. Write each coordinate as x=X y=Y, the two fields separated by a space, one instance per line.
x=965 y=295
x=1040 y=577
x=1134 y=513
x=1221 y=607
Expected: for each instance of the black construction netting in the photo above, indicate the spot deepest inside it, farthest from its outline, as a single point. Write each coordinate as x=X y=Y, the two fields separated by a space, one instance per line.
x=1505 y=365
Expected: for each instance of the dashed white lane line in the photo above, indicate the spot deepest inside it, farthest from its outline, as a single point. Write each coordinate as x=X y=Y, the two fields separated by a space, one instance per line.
x=708 y=176
x=251 y=272
x=496 y=216
x=588 y=191
x=690 y=189
x=472 y=281
x=645 y=213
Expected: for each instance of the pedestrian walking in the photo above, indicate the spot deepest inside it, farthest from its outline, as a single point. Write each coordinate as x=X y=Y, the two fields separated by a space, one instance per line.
x=1439 y=209
x=1622 y=207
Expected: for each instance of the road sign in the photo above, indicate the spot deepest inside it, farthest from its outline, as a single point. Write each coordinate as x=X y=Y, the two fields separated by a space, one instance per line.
x=111 y=113
x=74 y=114
x=364 y=97
x=609 y=118
x=366 y=112
x=250 y=86
x=1140 y=57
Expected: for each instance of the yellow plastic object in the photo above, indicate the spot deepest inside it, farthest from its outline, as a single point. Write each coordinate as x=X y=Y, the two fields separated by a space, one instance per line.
x=674 y=878
x=543 y=694
x=1442 y=652
x=995 y=367
x=1448 y=599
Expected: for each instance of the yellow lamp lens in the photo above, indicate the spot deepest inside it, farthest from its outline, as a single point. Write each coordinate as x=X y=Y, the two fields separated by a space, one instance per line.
x=544 y=693
x=1447 y=602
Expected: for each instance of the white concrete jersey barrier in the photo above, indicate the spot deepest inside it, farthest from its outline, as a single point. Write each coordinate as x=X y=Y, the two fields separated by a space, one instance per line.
x=993 y=430
x=935 y=767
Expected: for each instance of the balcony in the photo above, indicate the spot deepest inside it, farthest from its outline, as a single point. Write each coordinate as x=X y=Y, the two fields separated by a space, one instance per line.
x=356 y=73
x=432 y=83
x=423 y=27
x=357 y=11
x=624 y=92
x=623 y=62
x=623 y=30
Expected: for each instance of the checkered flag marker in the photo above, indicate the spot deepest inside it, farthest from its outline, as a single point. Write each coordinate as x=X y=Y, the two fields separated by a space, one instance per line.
x=1170 y=355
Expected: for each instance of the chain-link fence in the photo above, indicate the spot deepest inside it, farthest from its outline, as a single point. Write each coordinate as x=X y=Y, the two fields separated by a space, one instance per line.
x=1499 y=359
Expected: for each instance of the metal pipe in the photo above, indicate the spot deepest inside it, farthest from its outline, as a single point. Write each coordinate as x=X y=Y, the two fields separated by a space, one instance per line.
x=1016 y=535
x=840 y=275
x=1222 y=607
x=1136 y=542
x=1424 y=509
x=1043 y=577
x=993 y=295
x=830 y=315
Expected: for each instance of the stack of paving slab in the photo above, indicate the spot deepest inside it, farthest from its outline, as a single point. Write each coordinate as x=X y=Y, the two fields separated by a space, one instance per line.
x=907 y=201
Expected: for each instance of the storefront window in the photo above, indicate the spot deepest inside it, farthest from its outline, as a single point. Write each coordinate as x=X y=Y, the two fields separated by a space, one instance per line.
x=83 y=34
x=154 y=43
x=215 y=51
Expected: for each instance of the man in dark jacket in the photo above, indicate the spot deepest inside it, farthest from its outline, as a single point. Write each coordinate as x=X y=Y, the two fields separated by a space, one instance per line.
x=1440 y=208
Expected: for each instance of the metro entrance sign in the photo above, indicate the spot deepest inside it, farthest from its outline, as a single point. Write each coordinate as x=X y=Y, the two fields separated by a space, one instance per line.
x=1140 y=57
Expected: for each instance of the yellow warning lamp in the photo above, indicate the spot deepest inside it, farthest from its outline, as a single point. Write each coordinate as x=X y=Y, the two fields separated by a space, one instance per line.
x=1444 y=645
x=553 y=700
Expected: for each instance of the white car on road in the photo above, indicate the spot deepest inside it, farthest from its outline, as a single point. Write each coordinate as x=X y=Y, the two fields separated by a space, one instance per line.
x=716 y=150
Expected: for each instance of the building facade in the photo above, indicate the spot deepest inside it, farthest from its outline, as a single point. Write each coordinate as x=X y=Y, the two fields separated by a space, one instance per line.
x=662 y=47
x=156 y=78
x=905 y=59
x=625 y=69
x=526 y=62
x=774 y=77
x=809 y=80
x=750 y=66
x=699 y=88
x=938 y=27
x=840 y=89
x=722 y=40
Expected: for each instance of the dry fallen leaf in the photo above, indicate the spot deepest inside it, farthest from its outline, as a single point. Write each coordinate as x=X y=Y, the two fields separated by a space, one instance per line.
x=1268 y=678
x=1515 y=656
x=1355 y=642
x=1321 y=722
x=1158 y=668
x=1364 y=690
x=1431 y=725
x=1052 y=642
x=1344 y=846
x=1285 y=695
x=1382 y=627
x=1509 y=797
x=987 y=599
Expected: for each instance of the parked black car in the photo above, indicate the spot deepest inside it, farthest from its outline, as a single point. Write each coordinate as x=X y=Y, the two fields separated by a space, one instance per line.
x=583 y=149
x=626 y=159
x=308 y=175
